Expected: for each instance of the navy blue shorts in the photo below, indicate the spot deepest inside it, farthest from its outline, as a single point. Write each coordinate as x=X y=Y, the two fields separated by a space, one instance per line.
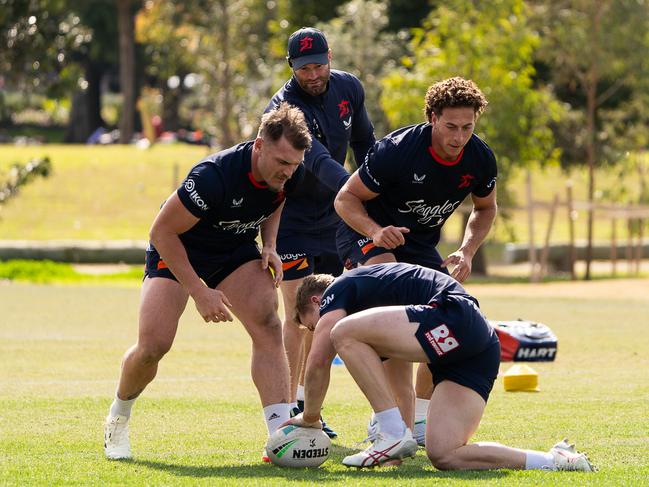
x=354 y=249
x=461 y=345
x=303 y=255
x=211 y=267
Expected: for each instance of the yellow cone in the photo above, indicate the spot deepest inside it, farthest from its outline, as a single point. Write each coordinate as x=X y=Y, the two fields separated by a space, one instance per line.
x=521 y=378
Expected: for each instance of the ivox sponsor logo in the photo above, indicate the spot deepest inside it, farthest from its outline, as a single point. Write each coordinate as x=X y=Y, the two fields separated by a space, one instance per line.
x=237 y=226
x=427 y=213
x=194 y=196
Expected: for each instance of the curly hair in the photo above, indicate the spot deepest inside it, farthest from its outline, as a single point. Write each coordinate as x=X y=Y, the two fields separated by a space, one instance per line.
x=288 y=121
x=453 y=92
x=311 y=286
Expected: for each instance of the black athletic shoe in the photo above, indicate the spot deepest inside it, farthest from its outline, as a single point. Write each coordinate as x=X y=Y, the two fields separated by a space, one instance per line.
x=328 y=431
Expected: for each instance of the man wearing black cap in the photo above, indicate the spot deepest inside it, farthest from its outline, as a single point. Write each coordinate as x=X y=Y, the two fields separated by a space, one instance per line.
x=333 y=104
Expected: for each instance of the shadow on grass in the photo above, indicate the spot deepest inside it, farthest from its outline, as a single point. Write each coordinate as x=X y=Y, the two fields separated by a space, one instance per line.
x=331 y=471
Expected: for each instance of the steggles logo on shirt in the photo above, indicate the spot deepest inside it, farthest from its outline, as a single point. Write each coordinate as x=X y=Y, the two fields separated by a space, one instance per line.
x=431 y=216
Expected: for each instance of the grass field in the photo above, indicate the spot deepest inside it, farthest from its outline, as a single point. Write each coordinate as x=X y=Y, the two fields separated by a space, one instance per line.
x=199 y=422
x=113 y=193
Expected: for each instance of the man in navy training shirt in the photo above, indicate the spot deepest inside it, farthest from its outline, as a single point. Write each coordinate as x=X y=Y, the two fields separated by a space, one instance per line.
x=203 y=245
x=411 y=182
x=416 y=314
x=333 y=104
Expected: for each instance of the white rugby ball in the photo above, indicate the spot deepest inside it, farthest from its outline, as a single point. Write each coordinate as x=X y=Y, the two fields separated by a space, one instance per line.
x=294 y=446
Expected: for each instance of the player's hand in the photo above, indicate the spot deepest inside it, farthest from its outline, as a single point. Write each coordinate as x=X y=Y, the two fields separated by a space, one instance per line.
x=270 y=259
x=299 y=421
x=462 y=263
x=390 y=237
x=212 y=305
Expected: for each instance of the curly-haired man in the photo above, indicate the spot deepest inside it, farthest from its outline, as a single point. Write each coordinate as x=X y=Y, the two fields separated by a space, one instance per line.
x=411 y=182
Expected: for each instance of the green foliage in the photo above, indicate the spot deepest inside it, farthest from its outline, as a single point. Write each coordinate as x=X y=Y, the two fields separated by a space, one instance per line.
x=47 y=272
x=20 y=175
x=493 y=44
x=361 y=45
x=231 y=65
x=37 y=39
x=35 y=271
x=305 y=14
x=597 y=51
x=404 y=14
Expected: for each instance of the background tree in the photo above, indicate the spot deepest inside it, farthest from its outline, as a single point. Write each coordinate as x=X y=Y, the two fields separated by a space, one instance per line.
x=405 y=14
x=307 y=14
x=596 y=51
x=493 y=44
x=36 y=42
x=361 y=45
x=167 y=31
x=96 y=57
x=126 y=31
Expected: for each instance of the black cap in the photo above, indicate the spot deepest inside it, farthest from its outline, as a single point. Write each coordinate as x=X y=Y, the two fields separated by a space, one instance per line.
x=306 y=46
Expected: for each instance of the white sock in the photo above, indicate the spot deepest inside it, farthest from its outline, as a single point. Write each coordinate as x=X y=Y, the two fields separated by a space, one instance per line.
x=536 y=460
x=121 y=408
x=275 y=415
x=300 y=392
x=421 y=409
x=391 y=423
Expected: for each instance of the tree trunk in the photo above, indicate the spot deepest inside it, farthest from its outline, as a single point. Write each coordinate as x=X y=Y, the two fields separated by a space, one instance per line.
x=126 y=29
x=78 y=129
x=592 y=79
x=590 y=156
x=94 y=74
x=170 y=107
x=227 y=138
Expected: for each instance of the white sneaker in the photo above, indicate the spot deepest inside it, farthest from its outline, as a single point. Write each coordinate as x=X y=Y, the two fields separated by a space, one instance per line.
x=419 y=432
x=116 y=443
x=372 y=429
x=382 y=450
x=566 y=457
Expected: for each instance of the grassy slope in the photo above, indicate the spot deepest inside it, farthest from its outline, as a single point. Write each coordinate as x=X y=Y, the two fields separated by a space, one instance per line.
x=94 y=192
x=113 y=192
x=199 y=422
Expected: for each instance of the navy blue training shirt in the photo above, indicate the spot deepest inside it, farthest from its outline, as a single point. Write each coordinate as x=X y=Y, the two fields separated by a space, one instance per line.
x=417 y=188
x=231 y=204
x=391 y=284
x=337 y=119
